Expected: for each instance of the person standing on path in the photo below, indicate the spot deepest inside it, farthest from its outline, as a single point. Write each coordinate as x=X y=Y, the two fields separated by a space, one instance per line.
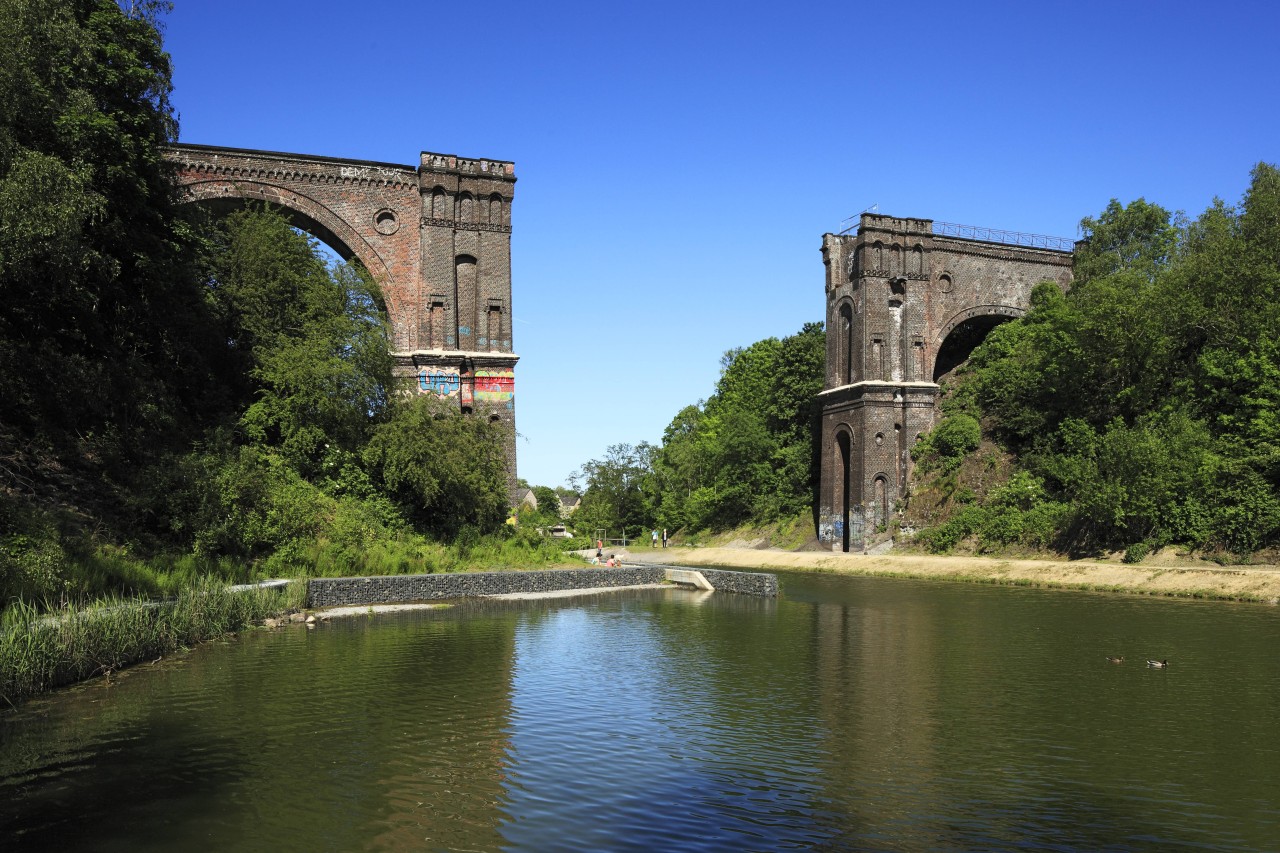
x=664 y=537
x=654 y=540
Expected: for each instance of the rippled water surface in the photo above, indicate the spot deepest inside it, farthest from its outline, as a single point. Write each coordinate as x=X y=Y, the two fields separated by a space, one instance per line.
x=850 y=714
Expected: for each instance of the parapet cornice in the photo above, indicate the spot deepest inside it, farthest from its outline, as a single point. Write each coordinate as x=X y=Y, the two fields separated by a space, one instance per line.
x=458 y=355
x=277 y=167
x=452 y=164
x=880 y=385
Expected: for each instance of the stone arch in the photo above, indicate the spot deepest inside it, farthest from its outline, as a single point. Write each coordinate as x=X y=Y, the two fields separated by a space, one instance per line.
x=303 y=213
x=964 y=331
x=495 y=210
x=466 y=208
x=917 y=260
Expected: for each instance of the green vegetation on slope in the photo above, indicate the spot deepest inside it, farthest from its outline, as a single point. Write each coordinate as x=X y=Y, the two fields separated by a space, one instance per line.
x=1139 y=409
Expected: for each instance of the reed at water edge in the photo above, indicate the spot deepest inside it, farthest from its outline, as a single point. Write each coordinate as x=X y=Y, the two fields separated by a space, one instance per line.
x=41 y=650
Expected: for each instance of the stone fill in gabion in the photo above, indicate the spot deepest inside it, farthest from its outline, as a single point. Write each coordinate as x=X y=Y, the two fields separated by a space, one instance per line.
x=393 y=589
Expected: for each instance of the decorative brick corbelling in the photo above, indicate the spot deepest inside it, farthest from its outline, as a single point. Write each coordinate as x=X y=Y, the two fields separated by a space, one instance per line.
x=465 y=226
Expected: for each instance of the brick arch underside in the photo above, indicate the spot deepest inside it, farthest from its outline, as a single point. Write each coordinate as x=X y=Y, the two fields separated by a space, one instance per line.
x=304 y=213
x=981 y=318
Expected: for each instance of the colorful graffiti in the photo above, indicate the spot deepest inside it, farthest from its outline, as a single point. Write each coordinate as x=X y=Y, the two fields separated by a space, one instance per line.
x=495 y=386
x=441 y=381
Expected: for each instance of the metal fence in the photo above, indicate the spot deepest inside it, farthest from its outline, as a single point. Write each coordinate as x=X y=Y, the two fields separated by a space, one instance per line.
x=996 y=235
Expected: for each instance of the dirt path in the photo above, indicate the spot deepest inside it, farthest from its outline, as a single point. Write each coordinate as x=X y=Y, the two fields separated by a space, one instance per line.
x=1260 y=583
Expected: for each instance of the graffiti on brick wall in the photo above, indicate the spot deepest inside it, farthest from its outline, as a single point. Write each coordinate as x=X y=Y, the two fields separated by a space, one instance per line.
x=832 y=526
x=495 y=386
x=441 y=381
x=486 y=386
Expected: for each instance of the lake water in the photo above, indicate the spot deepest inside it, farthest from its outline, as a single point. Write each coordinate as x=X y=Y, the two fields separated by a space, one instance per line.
x=850 y=714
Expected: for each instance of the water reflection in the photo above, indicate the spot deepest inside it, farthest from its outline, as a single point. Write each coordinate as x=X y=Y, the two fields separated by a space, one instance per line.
x=851 y=714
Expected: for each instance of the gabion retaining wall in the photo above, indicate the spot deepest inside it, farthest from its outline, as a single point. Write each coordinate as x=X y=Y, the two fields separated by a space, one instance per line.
x=393 y=589
x=746 y=583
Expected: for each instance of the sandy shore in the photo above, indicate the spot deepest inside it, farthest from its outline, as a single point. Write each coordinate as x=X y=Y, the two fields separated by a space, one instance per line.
x=1260 y=583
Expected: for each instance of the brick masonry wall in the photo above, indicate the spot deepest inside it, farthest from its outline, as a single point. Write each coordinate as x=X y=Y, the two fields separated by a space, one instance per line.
x=394 y=589
x=903 y=290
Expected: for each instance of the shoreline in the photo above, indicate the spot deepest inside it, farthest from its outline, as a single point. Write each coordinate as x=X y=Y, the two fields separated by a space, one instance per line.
x=1237 y=583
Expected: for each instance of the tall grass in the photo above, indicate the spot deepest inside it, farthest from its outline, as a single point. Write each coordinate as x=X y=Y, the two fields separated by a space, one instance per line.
x=42 y=650
x=413 y=554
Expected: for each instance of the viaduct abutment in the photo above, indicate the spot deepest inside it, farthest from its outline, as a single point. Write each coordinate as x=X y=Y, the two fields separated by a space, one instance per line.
x=907 y=300
x=436 y=237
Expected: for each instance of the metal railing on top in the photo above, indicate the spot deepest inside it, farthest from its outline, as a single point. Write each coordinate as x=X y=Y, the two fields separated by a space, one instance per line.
x=996 y=235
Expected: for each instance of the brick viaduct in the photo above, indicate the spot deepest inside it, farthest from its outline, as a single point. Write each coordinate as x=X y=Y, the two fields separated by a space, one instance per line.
x=436 y=237
x=907 y=300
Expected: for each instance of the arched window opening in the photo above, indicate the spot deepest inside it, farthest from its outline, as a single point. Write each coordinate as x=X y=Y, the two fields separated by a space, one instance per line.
x=466 y=208
x=495 y=210
x=879 y=509
x=439 y=204
x=844 y=344
x=493 y=326
x=466 y=282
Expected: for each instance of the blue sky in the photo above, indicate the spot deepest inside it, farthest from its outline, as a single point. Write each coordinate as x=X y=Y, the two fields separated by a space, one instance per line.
x=678 y=163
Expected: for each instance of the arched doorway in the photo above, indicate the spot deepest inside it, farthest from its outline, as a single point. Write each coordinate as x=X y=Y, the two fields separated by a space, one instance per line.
x=844 y=459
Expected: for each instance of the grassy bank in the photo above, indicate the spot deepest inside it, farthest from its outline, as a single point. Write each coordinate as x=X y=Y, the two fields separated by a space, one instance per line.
x=44 y=563
x=49 y=645
x=1252 y=583
x=43 y=650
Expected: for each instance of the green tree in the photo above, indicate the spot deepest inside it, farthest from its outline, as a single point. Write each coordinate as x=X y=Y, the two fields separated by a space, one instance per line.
x=614 y=491
x=749 y=452
x=447 y=469
x=548 y=504
x=96 y=299
x=312 y=341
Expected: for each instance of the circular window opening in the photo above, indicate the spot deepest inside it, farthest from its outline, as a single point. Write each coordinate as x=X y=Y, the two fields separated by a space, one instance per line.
x=384 y=221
